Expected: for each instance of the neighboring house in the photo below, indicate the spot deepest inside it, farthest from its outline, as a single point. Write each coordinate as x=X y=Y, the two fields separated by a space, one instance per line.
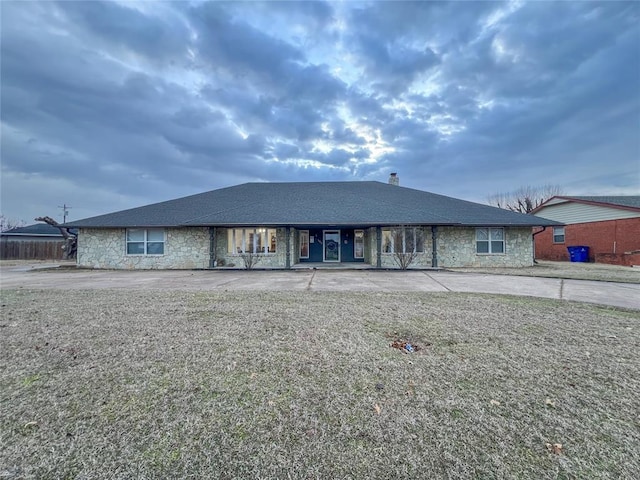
x=33 y=242
x=609 y=226
x=297 y=224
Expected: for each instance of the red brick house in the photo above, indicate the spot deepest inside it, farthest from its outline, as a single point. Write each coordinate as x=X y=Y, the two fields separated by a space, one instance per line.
x=609 y=226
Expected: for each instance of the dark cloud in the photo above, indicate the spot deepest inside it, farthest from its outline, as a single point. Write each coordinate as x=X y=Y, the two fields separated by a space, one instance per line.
x=437 y=22
x=285 y=151
x=392 y=66
x=315 y=16
x=342 y=134
x=196 y=117
x=369 y=107
x=395 y=41
x=315 y=84
x=156 y=37
x=238 y=51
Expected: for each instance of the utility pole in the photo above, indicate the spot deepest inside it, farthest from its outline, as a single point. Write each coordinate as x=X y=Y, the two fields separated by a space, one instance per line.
x=65 y=212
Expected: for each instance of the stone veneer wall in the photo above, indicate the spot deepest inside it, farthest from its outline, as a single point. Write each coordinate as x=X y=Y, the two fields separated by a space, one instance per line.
x=370 y=247
x=457 y=248
x=423 y=260
x=229 y=260
x=188 y=248
x=295 y=245
x=184 y=248
x=367 y=246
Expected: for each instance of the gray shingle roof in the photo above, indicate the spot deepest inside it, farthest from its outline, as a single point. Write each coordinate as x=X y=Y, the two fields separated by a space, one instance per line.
x=35 y=229
x=313 y=203
x=632 y=201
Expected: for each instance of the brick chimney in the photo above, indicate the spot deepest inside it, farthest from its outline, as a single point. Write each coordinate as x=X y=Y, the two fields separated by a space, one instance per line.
x=394 y=179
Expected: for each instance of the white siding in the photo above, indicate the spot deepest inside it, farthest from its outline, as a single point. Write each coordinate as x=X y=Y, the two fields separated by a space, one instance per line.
x=556 y=201
x=573 y=212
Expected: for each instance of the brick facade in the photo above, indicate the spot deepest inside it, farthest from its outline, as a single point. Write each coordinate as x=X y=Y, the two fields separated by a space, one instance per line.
x=608 y=241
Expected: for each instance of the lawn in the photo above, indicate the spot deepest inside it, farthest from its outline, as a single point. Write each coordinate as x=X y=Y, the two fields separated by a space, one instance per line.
x=148 y=384
x=572 y=270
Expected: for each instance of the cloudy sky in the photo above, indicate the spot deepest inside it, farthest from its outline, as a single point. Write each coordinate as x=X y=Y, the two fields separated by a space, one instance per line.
x=111 y=105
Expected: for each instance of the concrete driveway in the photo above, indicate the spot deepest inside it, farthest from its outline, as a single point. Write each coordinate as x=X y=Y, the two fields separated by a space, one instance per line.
x=606 y=293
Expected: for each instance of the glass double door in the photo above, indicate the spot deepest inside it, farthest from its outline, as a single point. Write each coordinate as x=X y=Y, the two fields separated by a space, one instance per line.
x=331 y=245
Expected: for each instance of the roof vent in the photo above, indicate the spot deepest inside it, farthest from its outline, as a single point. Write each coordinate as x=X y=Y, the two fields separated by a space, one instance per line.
x=394 y=179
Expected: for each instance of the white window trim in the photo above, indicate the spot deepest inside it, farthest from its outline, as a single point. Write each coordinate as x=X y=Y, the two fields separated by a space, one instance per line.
x=145 y=242
x=404 y=239
x=302 y=233
x=324 y=245
x=244 y=232
x=354 y=243
x=489 y=240
x=553 y=235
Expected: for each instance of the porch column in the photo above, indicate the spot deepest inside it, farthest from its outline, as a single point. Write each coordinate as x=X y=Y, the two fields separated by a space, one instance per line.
x=287 y=240
x=434 y=246
x=212 y=247
x=378 y=247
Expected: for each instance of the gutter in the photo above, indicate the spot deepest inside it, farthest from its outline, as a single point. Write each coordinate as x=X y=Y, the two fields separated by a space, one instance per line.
x=5 y=234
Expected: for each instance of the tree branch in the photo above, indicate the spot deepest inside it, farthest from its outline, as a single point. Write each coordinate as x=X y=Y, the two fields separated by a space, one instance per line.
x=71 y=247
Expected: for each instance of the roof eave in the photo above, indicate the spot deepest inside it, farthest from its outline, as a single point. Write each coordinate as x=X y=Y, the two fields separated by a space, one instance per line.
x=585 y=202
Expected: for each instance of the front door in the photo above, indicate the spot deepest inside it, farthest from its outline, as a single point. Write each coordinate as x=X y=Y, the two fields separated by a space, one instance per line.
x=331 y=245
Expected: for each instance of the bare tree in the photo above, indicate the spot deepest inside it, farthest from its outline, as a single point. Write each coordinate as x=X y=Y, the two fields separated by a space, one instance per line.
x=524 y=199
x=71 y=241
x=9 y=223
x=407 y=242
x=250 y=260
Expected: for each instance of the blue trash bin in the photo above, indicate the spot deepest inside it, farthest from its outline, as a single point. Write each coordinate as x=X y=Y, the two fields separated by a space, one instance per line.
x=578 y=253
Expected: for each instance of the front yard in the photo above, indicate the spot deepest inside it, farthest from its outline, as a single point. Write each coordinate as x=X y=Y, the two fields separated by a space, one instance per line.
x=148 y=384
x=574 y=270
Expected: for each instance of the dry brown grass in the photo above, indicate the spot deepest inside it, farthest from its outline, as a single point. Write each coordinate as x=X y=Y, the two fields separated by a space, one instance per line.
x=572 y=270
x=106 y=384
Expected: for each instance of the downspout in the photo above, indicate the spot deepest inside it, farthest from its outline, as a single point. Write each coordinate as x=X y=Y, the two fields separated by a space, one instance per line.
x=533 y=241
x=212 y=247
x=434 y=246
x=378 y=247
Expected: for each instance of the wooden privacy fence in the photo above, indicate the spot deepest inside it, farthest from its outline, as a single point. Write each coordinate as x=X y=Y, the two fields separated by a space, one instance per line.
x=31 y=250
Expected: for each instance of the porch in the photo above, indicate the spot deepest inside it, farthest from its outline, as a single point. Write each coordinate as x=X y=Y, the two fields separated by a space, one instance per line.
x=332 y=266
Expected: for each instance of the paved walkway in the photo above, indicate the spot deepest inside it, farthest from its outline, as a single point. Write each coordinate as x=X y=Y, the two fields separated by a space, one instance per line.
x=607 y=293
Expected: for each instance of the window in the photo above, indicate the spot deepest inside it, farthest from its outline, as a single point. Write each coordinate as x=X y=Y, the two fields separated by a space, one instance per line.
x=145 y=241
x=490 y=240
x=558 y=234
x=358 y=244
x=251 y=240
x=402 y=240
x=304 y=243
x=387 y=246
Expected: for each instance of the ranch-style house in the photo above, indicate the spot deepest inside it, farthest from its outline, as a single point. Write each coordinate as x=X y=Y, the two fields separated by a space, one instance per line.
x=364 y=224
